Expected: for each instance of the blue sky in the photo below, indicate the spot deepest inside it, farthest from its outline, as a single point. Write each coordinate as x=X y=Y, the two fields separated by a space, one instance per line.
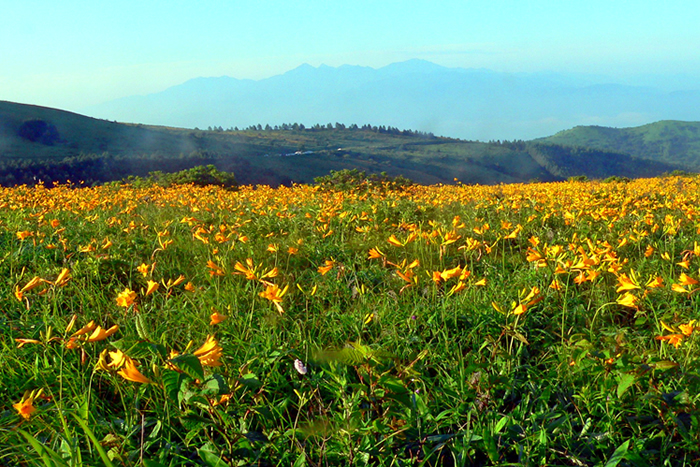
x=75 y=53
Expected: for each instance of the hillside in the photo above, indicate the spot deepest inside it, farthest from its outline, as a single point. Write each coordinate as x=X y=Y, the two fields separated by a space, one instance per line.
x=668 y=141
x=38 y=143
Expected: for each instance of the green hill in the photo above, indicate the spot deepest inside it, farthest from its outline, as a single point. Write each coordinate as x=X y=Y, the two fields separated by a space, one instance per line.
x=668 y=141
x=38 y=143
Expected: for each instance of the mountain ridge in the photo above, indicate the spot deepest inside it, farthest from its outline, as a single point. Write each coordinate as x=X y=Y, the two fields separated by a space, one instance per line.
x=473 y=104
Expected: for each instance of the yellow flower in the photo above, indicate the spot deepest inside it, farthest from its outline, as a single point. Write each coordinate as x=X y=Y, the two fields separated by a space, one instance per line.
x=450 y=273
x=126 y=298
x=674 y=339
x=85 y=329
x=62 y=278
x=628 y=300
x=209 y=353
x=324 y=269
x=394 y=241
x=32 y=284
x=216 y=318
x=375 y=253
x=100 y=334
x=130 y=373
x=626 y=283
x=686 y=280
x=688 y=328
x=20 y=341
x=143 y=269
x=679 y=288
x=152 y=287
x=24 y=234
x=25 y=407
x=215 y=270
x=275 y=294
x=118 y=359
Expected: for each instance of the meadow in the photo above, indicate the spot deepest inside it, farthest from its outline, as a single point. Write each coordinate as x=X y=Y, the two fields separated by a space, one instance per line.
x=525 y=324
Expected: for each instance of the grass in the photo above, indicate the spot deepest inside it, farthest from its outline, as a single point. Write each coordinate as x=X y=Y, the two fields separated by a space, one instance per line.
x=539 y=324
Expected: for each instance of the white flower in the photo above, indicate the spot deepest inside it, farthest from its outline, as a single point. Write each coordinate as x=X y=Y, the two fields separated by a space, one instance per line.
x=299 y=366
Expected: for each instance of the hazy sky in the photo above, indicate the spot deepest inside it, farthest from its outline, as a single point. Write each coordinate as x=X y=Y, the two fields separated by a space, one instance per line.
x=74 y=53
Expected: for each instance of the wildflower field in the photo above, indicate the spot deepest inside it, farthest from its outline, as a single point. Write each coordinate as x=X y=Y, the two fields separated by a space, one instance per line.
x=538 y=324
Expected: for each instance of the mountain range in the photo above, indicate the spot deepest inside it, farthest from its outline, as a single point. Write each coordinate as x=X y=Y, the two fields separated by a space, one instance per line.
x=472 y=104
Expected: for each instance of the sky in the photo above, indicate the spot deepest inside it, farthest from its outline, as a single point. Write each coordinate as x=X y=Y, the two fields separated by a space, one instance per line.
x=72 y=54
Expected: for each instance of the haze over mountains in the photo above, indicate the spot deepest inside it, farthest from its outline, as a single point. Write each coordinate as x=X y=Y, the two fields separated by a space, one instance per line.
x=474 y=104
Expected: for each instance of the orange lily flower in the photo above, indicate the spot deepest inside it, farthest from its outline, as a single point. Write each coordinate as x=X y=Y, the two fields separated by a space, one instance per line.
x=131 y=373
x=209 y=353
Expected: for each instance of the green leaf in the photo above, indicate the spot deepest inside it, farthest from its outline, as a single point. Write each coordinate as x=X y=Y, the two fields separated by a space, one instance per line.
x=214 y=386
x=664 y=365
x=152 y=463
x=393 y=384
x=50 y=457
x=190 y=364
x=618 y=455
x=250 y=380
x=500 y=425
x=141 y=328
x=209 y=458
x=626 y=380
x=96 y=444
x=490 y=445
x=301 y=460
x=173 y=382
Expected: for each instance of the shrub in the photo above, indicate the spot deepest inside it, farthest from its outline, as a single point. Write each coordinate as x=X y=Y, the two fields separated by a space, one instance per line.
x=201 y=175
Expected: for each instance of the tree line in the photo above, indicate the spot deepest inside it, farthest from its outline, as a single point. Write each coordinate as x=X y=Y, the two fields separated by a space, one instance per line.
x=381 y=129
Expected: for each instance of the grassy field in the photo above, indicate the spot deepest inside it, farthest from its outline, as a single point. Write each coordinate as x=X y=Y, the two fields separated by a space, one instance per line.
x=538 y=324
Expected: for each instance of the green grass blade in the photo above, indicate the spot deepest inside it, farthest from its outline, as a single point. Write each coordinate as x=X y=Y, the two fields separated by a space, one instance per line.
x=98 y=447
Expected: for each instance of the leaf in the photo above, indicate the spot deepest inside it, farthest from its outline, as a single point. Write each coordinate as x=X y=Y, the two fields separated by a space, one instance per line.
x=214 y=386
x=140 y=328
x=210 y=459
x=393 y=384
x=501 y=423
x=250 y=380
x=490 y=445
x=190 y=364
x=301 y=460
x=50 y=457
x=626 y=380
x=172 y=383
x=96 y=444
x=618 y=455
x=152 y=463
x=664 y=365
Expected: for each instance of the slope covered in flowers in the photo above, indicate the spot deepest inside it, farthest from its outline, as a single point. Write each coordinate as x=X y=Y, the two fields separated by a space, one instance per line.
x=457 y=325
